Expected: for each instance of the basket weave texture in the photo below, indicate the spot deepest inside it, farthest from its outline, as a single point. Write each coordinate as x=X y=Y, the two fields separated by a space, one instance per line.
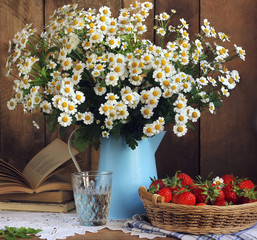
x=197 y=219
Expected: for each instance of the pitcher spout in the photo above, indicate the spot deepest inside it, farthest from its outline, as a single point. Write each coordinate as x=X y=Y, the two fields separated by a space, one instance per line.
x=156 y=140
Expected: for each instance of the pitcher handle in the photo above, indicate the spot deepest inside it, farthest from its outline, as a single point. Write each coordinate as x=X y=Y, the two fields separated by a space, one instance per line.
x=70 y=151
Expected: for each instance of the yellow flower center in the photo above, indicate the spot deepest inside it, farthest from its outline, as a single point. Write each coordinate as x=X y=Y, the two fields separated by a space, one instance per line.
x=128 y=97
x=105 y=108
x=157 y=126
x=146 y=111
x=180 y=129
x=179 y=105
x=155 y=93
x=95 y=37
x=159 y=75
x=65 y=119
x=181 y=118
x=194 y=114
x=64 y=104
x=166 y=83
x=117 y=69
x=149 y=130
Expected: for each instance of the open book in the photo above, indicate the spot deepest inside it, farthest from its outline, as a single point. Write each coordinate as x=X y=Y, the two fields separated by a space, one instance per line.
x=41 y=172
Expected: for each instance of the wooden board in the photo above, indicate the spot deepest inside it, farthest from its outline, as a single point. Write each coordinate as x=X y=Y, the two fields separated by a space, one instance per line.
x=179 y=153
x=222 y=143
x=106 y=234
x=19 y=139
x=229 y=139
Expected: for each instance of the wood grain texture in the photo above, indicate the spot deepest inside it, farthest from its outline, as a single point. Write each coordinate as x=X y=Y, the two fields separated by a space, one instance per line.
x=225 y=142
x=229 y=139
x=179 y=153
x=106 y=234
x=19 y=139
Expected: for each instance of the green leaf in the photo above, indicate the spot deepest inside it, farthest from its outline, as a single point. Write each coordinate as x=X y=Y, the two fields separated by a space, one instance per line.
x=11 y=233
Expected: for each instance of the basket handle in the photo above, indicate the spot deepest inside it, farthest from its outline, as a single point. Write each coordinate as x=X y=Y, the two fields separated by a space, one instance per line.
x=155 y=198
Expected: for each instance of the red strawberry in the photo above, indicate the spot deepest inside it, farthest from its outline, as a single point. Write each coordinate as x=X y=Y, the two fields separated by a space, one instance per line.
x=201 y=204
x=186 y=179
x=230 y=194
x=221 y=202
x=156 y=185
x=221 y=195
x=246 y=184
x=165 y=192
x=174 y=198
x=186 y=198
x=176 y=189
x=207 y=193
x=229 y=179
x=198 y=192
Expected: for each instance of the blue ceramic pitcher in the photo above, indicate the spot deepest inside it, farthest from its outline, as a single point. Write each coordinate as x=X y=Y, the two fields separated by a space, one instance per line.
x=131 y=169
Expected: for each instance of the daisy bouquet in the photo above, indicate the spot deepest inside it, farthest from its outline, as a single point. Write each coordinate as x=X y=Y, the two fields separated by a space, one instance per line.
x=95 y=71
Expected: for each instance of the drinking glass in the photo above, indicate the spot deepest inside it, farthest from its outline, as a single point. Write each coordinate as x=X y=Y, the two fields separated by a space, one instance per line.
x=92 y=193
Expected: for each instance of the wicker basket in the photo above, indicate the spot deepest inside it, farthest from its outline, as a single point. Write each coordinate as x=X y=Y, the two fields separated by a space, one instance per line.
x=197 y=219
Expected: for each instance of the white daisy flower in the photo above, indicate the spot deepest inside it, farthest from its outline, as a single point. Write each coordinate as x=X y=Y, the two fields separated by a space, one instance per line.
x=161 y=31
x=230 y=82
x=111 y=78
x=88 y=118
x=79 y=67
x=240 y=52
x=202 y=81
x=235 y=75
x=180 y=129
x=152 y=101
x=212 y=81
x=67 y=63
x=211 y=107
x=218 y=181
x=223 y=37
x=179 y=105
x=112 y=97
x=194 y=114
x=225 y=91
x=79 y=116
x=104 y=108
x=62 y=103
x=46 y=107
x=184 y=23
x=148 y=130
x=156 y=92
x=108 y=123
x=71 y=109
x=181 y=117
x=105 y=134
x=64 y=119
x=147 y=111
x=11 y=104
x=99 y=90
x=79 y=97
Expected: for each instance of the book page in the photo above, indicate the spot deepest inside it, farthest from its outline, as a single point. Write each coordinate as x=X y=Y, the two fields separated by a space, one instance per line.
x=9 y=172
x=46 y=161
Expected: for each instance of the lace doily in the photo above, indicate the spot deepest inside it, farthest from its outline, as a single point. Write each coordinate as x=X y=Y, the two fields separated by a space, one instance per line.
x=59 y=225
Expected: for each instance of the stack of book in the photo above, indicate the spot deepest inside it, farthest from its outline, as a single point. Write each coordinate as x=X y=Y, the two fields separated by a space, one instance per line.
x=39 y=187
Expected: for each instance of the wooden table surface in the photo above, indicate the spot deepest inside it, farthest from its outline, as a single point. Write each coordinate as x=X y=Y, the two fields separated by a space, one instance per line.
x=105 y=234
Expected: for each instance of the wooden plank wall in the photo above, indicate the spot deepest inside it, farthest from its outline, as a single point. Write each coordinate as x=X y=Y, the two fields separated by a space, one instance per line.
x=225 y=142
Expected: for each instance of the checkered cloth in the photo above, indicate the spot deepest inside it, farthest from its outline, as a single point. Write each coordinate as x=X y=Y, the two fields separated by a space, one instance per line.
x=141 y=223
